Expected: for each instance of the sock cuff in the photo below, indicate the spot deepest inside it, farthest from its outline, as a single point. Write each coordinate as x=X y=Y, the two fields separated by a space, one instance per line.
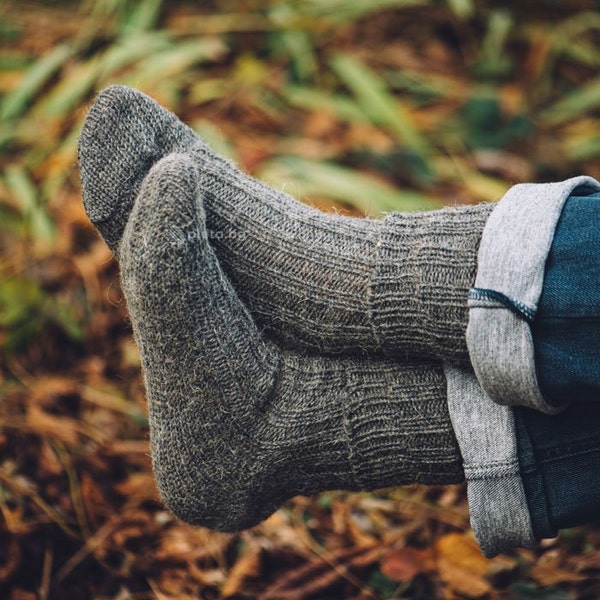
x=399 y=430
x=424 y=267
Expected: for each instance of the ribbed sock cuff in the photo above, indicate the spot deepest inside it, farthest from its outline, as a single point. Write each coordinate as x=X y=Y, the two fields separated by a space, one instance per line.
x=425 y=265
x=402 y=434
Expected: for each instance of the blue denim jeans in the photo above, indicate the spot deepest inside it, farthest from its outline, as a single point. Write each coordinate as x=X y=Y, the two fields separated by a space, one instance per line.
x=559 y=456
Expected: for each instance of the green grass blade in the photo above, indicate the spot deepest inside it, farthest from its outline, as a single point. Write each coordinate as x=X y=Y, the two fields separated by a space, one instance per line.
x=383 y=109
x=171 y=62
x=313 y=99
x=351 y=10
x=25 y=194
x=132 y=48
x=368 y=194
x=585 y=149
x=70 y=91
x=463 y=9
x=143 y=16
x=575 y=104
x=21 y=187
x=17 y=102
x=214 y=138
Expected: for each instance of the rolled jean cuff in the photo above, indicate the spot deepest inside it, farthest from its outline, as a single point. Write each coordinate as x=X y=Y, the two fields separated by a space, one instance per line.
x=512 y=255
x=503 y=303
x=486 y=436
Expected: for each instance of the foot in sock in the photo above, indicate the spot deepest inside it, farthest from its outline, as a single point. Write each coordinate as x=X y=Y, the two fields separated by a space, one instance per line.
x=325 y=282
x=238 y=425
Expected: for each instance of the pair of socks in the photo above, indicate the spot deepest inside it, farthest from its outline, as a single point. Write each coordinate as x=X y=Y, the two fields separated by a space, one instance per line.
x=274 y=338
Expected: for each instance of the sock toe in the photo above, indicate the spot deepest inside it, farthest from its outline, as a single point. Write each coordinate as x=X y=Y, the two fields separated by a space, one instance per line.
x=119 y=143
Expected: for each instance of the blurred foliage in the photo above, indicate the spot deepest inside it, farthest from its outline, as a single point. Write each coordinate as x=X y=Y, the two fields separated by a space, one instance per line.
x=355 y=106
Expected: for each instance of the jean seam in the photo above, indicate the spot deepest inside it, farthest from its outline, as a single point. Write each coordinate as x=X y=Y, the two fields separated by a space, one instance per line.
x=562 y=456
x=534 y=469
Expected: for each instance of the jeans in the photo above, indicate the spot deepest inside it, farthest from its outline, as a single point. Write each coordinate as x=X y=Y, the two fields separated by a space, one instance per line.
x=559 y=456
x=503 y=303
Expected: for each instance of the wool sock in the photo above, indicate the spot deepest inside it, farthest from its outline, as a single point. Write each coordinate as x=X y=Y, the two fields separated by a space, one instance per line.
x=326 y=282
x=238 y=425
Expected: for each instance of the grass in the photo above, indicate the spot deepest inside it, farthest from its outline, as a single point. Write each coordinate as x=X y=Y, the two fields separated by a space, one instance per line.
x=359 y=107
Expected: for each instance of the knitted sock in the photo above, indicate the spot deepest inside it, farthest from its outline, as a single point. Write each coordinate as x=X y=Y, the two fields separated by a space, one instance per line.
x=326 y=282
x=237 y=425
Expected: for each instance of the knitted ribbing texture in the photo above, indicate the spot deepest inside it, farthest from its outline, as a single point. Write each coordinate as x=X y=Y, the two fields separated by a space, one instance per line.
x=237 y=424
x=329 y=283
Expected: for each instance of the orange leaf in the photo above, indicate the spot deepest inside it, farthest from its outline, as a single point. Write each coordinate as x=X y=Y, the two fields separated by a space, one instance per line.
x=405 y=564
x=463 y=552
x=462 y=566
x=247 y=567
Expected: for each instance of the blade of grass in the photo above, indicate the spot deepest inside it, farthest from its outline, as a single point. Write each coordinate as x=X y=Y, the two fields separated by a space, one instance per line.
x=351 y=10
x=17 y=102
x=214 y=138
x=370 y=195
x=575 y=104
x=71 y=90
x=463 y=9
x=584 y=53
x=298 y=47
x=21 y=187
x=314 y=99
x=25 y=193
x=142 y=17
x=206 y=90
x=584 y=149
x=382 y=108
x=295 y=43
x=131 y=48
x=172 y=62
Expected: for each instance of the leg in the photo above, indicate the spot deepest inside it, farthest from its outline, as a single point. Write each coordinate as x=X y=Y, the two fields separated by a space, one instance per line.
x=238 y=425
x=559 y=455
x=325 y=282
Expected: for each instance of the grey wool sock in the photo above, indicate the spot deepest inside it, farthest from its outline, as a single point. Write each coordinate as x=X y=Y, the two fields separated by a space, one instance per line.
x=238 y=425
x=329 y=283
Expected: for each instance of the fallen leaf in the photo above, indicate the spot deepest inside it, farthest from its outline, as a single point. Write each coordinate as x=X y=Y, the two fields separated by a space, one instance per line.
x=405 y=564
x=247 y=566
x=549 y=575
x=319 y=576
x=462 y=566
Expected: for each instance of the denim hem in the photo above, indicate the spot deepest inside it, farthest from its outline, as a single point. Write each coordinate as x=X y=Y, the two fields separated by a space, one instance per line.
x=486 y=436
x=511 y=262
x=510 y=275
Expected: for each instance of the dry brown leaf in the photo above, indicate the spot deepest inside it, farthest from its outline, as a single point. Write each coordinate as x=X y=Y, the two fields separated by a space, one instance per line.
x=464 y=582
x=95 y=504
x=48 y=459
x=589 y=561
x=183 y=543
x=64 y=429
x=553 y=575
x=463 y=552
x=320 y=575
x=404 y=564
x=462 y=566
x=44 y=389
x=138 y=486
x=247 y=567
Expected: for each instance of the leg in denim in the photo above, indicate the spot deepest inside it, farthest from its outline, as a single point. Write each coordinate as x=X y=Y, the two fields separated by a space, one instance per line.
x=559 y=455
